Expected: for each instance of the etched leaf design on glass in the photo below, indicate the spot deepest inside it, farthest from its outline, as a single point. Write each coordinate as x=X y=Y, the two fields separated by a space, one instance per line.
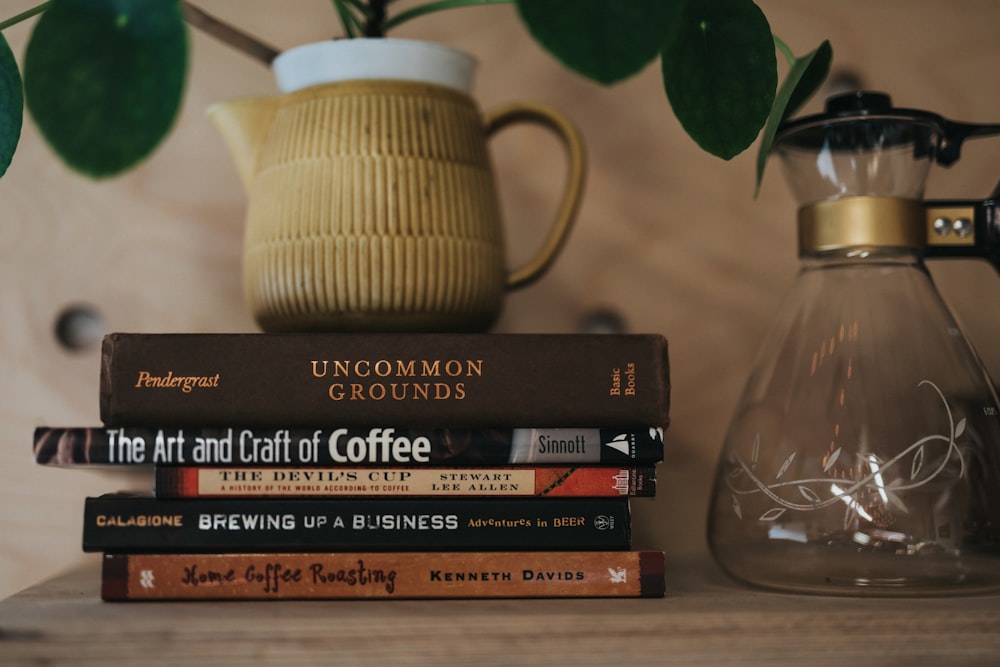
x=810 y=495
x=831 y=460
x=895 y=501
x=871 y=477
x=850 y=516
x=892 y=497
x=785 y=465
x=918 y=463
x=772 y=514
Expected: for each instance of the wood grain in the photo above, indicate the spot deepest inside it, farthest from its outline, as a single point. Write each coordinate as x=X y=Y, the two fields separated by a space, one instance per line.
x=670 y=238
x=705 y=619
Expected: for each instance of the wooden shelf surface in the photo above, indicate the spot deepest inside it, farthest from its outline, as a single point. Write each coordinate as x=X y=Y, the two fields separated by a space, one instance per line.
x=705 y=619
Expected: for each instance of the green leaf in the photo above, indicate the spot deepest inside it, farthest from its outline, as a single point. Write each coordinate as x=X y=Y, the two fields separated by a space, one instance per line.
x=720 y=73
x=817 y=67
x=804 y=78
x=433 y=7
x=604 y=40
x=104 y=79
x=11 y=105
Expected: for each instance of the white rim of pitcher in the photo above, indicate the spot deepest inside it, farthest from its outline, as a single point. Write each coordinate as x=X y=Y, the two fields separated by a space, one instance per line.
x=412 y=60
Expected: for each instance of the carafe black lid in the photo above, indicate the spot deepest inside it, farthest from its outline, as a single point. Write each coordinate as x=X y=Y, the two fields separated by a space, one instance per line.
x=864 y=120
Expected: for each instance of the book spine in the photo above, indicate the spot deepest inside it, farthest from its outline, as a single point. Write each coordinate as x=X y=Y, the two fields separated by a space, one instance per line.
x=121 y=523
x=421 y=575
x=418 y=380
x=505 y=482
x=231 y=446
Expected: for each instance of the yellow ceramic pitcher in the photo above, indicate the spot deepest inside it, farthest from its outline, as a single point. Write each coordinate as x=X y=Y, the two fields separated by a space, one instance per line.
x=372 y=201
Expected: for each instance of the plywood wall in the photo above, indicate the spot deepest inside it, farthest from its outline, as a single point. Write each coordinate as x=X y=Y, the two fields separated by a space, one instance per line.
x=668 y=238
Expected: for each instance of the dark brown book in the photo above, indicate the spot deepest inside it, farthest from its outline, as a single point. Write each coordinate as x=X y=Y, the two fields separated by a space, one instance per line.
x=416 y=380
x=383 y=575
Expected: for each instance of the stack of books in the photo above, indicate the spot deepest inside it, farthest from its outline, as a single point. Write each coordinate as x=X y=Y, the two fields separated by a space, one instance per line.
x=374 y=465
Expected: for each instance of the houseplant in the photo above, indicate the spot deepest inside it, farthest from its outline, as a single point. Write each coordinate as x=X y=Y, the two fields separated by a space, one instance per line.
x=95 y=64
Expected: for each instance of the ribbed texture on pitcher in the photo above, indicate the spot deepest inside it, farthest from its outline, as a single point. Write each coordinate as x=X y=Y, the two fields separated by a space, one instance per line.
x=374 y=207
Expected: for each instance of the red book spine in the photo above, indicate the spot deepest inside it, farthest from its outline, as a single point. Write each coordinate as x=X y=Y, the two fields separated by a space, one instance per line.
x=506 y=481
x=383 y=575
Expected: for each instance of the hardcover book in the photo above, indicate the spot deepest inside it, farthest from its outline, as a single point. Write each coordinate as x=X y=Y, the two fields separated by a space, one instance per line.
x=341 y=446
x=129 y=523
x=417 y=380
x=383 y=575
x=353 y=482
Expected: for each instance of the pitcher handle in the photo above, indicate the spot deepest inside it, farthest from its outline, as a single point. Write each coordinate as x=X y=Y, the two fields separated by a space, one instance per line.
x=530 y=112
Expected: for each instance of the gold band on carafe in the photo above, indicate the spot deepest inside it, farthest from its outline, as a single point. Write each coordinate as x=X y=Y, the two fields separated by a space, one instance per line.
x=861 y=222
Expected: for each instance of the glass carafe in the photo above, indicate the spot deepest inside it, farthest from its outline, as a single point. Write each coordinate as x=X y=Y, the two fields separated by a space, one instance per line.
x=864 y=454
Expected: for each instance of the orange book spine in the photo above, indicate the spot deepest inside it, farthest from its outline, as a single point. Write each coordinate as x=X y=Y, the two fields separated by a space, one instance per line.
x=398 y=575
x=503 y=481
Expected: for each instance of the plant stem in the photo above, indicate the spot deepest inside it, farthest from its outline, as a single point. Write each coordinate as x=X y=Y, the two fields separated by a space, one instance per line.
x=787 y=52
x=14 y=20
x=375 y=26
x=347 y=19
x=357 y=4
x=413 y=13
x=226 y=33
x=354 y=21
x=196 y=17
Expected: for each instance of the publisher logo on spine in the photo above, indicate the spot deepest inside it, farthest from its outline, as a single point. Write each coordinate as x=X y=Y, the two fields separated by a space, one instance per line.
x=604 y=522
x=622 y=443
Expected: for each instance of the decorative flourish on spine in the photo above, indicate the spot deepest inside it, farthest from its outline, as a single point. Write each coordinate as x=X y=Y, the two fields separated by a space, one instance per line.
x=562 y=478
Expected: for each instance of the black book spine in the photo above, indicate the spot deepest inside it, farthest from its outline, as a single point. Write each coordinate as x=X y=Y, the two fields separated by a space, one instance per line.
x=138 y=524
x=229 y=446
x=417 y=380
